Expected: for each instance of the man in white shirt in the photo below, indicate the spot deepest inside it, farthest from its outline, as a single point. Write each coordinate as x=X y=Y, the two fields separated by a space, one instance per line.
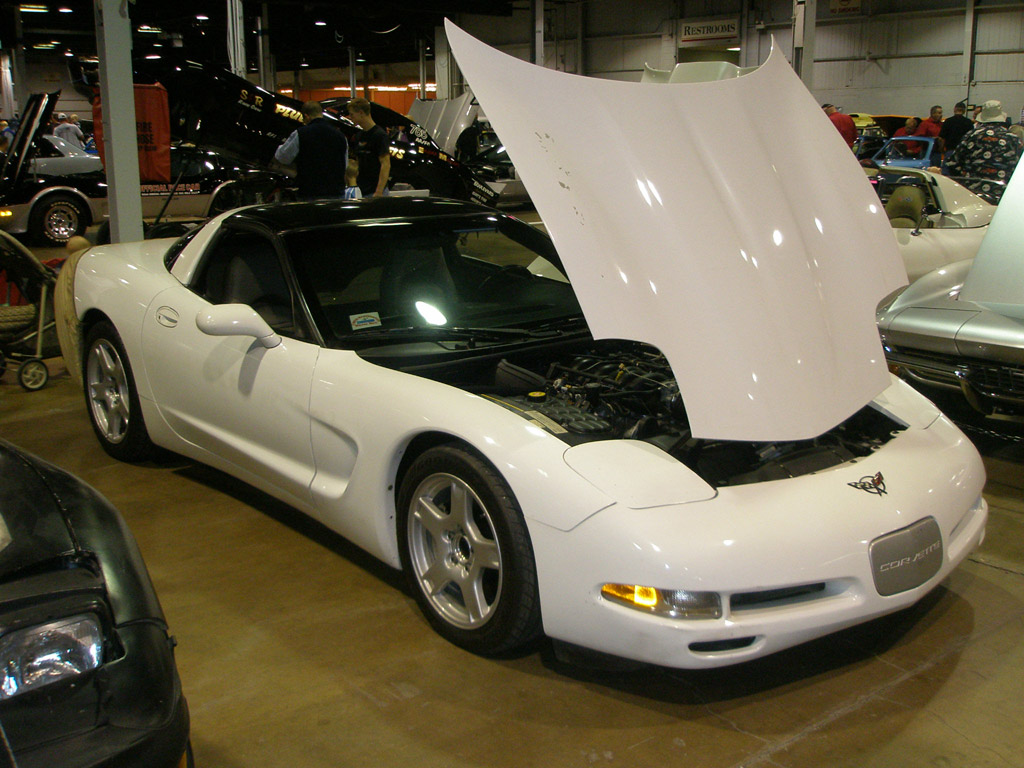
x=68 y=131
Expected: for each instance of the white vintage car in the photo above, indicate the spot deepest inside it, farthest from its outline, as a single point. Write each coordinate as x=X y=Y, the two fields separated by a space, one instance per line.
x=674 y=439
x=935 y=219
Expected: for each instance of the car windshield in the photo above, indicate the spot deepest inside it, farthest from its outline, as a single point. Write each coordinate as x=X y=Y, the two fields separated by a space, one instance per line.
x=903 y=149
x=431 y=278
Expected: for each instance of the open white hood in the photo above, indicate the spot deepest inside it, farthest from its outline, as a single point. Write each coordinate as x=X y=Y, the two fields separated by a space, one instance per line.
x=726 y=223
x=996 y=279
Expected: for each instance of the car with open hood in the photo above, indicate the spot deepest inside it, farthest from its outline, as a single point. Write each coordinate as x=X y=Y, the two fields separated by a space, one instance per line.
x=667 y=434
x=217 y=110
x=52 y=199
x=87 y=671
x=959 y=327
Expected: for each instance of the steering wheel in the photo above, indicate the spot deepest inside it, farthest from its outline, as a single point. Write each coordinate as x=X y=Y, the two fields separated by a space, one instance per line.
x=517 y=269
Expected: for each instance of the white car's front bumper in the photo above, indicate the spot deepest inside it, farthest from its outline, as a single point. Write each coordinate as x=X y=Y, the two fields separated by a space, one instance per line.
x=814 y=531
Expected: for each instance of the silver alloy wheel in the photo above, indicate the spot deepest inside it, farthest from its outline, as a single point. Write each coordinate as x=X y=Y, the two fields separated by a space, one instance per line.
x=61 y=221
x=454 y=553
x=108 y=390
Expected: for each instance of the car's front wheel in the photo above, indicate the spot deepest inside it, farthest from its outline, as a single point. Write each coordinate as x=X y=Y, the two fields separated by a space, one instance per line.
x=111 y=396
x=466 y=552
x=56 y=219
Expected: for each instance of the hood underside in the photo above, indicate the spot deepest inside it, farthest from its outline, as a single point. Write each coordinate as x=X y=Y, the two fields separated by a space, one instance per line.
x=726 y=223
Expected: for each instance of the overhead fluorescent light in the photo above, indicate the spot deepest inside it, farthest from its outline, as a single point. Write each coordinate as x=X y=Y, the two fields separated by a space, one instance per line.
x=33 y=9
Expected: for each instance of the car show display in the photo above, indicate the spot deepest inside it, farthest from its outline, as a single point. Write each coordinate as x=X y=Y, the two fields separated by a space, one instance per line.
x=512 y=426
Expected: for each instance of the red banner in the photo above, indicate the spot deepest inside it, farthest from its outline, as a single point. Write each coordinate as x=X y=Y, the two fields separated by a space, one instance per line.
x=153 y=127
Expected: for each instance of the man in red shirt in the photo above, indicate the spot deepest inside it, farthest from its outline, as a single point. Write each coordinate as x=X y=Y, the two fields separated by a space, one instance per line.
x=932 y=125
x=843 y=123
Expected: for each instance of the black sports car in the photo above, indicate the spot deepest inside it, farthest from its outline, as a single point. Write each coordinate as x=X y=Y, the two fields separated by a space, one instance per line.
x=87 y=672
x=217 y=110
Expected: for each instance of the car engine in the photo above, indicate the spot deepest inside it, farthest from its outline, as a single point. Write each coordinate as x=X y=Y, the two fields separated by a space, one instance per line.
x=625 y=390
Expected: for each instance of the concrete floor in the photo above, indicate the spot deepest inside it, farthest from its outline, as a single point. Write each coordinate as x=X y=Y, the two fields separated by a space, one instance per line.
x=296 y=649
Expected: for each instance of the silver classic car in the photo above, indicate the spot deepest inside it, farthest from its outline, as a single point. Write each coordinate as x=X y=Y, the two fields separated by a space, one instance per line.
x=961 y=326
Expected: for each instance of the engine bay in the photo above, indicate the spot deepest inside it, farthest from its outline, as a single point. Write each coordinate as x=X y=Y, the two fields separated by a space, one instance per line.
x=626 y=390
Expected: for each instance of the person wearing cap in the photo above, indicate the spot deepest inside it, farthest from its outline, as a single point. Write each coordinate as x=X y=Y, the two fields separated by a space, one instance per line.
x=843 y=123
x=68 y=131
x=987 y=155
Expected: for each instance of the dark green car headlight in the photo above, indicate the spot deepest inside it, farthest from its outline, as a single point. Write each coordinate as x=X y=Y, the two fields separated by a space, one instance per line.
x=48 y=653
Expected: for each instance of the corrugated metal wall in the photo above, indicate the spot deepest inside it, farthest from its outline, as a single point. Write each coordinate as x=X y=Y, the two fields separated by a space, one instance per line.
x=895 y=56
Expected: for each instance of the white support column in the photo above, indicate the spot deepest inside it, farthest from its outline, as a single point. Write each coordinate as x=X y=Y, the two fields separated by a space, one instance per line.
x=444 y=64
x=581 y=21
x=8 y=104
x=352 y=72
x=268 y=72
x=804 y=24
x=538 y=32
x=18 y=69
x=114 y=43
x=422 y=46
x=236 y=38
x=967 y=68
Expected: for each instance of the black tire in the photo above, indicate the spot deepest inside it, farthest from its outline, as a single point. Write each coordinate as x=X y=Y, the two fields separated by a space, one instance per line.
x=109 y=385
x=471 y=570
x=56 y=219
x=33 y=374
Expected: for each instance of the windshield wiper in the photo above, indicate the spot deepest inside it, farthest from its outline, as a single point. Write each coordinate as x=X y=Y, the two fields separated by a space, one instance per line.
x=434 y=332
x=562 y=323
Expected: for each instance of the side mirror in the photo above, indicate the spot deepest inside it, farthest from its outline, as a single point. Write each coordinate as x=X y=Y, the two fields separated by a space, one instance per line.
x=236 y=320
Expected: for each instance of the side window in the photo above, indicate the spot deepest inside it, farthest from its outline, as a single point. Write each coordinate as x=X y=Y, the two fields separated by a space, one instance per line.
x=243 y=268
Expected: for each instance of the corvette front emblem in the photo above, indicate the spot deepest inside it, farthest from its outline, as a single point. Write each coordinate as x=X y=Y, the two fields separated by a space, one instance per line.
x=871 y=483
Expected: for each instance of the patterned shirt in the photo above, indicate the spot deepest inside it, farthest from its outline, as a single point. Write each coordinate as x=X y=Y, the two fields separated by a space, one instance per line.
x=987 y=156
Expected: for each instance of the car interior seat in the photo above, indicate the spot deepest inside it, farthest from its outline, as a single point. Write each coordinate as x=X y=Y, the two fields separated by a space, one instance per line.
x=905 y=205
x=247 y=271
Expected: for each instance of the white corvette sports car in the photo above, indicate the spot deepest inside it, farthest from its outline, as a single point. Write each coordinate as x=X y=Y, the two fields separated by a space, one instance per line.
x=656 y=460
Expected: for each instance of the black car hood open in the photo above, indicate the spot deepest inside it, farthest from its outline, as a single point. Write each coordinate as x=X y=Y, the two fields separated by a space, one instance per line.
x=36 y=115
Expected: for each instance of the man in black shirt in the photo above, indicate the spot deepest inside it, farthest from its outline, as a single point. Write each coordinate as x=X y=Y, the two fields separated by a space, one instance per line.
x=372 y=148
x=956 y=127
x=320 y=153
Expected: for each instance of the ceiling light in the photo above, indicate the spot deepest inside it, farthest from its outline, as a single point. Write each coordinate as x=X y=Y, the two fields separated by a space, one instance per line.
x=33 y=9
x=68 y=53
x=145 y=28
x=202 y=17
x=360 y=60
x=64 y=10
x=303 y=63
x=153 y=56
x=320 y=23
x=44 y=46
